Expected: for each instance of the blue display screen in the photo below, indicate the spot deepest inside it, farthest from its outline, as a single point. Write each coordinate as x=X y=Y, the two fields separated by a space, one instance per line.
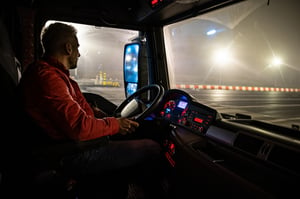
x=182 y=104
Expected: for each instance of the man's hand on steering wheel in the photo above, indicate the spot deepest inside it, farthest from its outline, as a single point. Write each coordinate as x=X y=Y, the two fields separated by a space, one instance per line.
x=127 y=125
x=135 y=107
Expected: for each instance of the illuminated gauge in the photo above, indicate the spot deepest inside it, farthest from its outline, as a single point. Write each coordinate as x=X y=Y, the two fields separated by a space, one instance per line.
x=183 y=121
x=168 y=108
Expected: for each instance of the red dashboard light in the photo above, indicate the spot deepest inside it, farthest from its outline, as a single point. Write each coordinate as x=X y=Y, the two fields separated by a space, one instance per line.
x=154 y=2
x=172 y=146
x=170 y=159
x=199 y=120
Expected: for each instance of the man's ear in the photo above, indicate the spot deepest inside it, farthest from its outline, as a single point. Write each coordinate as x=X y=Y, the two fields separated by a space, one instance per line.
x=68 y=48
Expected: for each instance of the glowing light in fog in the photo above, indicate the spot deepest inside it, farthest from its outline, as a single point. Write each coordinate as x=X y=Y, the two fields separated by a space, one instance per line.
x=222 y=56
x=211 y=32
x=276 y=61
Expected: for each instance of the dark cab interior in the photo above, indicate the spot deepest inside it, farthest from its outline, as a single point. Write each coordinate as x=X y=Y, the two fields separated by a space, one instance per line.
x=207 y=152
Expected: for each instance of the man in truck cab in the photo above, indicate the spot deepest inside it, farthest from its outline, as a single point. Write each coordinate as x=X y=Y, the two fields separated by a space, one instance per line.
x=55 y=103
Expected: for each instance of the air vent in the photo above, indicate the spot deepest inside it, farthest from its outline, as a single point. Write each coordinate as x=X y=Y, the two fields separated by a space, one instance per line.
x=285 y=158
x=248 y=143
x=264 y=150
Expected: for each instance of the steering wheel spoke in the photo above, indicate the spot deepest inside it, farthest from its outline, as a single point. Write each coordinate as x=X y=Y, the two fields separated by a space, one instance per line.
x=141 y=103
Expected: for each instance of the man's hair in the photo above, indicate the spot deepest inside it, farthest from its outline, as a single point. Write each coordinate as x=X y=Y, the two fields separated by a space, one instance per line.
x=54 y=36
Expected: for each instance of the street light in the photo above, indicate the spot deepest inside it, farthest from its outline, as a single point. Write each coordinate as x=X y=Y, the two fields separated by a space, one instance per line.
x=222 y=57
x=211 y=32
x=276 y=62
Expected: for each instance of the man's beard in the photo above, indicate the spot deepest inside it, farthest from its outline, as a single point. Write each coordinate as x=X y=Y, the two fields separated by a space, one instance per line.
x=73 y=62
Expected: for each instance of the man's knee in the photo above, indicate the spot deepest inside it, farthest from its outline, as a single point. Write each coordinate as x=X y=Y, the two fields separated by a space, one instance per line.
x=150 y=146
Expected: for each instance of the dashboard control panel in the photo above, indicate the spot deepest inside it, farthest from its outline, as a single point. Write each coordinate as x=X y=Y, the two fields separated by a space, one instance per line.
x=182 y=109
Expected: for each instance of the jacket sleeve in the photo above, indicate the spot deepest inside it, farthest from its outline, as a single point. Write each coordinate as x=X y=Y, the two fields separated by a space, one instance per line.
x=67 y=109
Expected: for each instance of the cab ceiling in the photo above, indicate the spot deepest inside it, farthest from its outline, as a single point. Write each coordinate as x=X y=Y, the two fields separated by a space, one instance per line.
x=117 y=13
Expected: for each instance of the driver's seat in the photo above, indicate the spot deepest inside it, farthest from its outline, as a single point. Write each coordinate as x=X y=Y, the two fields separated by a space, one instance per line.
x=10 y=158
x=17 y=165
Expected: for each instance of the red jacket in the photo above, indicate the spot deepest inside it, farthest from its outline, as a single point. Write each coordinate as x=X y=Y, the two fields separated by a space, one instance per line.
x=55 y=102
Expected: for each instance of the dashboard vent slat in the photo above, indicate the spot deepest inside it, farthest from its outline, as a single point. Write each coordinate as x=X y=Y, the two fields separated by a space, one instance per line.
x=264 y=151
x=248 y=143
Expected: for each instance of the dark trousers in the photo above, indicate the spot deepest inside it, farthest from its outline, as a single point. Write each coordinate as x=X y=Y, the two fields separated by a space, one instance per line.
x=115 y=165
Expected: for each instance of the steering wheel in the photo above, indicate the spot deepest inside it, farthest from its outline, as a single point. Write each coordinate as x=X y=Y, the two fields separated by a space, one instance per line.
x=139 y=104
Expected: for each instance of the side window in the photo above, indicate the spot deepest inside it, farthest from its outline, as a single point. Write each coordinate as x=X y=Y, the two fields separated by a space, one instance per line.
x=100 y=66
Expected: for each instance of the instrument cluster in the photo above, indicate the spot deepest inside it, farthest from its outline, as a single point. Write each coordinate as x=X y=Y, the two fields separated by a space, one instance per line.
x=182 y=109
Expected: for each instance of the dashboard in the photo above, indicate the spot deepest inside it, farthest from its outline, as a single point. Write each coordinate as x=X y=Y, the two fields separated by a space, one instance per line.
x=182 y=109
x=253 y=156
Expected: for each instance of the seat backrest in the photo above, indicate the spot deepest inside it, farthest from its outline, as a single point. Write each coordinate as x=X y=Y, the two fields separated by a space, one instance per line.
x=9 y=78
x=18 y=134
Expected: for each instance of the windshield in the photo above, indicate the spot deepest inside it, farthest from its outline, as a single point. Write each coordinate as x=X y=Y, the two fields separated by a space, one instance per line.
x=241 y=59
